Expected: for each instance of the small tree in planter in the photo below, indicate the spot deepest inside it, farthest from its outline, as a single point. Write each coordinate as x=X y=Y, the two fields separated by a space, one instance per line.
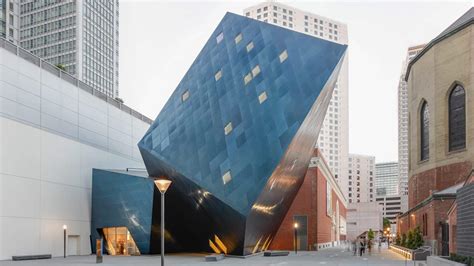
x=403 y=242
x=398 y=240
x=410 y=240
x=417 y=238
x=370 y=236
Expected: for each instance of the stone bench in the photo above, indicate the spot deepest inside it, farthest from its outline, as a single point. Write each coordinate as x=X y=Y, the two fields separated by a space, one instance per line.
x=214 y=257
x=275 y=253
x=32 y=257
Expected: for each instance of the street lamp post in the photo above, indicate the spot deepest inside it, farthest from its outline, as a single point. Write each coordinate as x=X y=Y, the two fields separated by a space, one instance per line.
x=162 y=185
x=296 y=238
x=64 y=239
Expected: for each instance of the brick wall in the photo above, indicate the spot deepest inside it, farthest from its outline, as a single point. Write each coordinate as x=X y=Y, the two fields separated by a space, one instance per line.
x=422 y=185
x=436 y=211
x=310 y=201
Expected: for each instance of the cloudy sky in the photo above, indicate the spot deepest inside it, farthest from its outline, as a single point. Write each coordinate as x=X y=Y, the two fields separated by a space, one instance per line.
x=160 y=39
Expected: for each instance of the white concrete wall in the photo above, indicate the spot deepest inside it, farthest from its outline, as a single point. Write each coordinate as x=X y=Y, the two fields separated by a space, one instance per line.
x=51 y=136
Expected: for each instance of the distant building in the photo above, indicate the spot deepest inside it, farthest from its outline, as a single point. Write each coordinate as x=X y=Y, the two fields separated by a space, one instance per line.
x=363 y=216
x=9 y=20
x=441 y=138
x=391 y=208
x=321 y=219
x=82 y=36
x=386 y=179
x=333 y=139
x=361 y=178
x=403 y=127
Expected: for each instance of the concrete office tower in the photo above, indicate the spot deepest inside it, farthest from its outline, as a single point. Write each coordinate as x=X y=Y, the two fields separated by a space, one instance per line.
x=386 y=179
x=9 y=22
x=81 y=35
x=403 y=127
x=333 y=140
x=361 y=169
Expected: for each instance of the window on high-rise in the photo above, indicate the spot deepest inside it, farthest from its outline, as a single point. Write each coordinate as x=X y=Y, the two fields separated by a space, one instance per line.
x=262 y=97
x=283 y=56
x=247 y=78
x=218 y=75
x=256 y=71
x=185 y=96
x=220 y=37
x=228 y=128
x=457 y=119
x=238 y=38
x=227 y=177
x=249 y=46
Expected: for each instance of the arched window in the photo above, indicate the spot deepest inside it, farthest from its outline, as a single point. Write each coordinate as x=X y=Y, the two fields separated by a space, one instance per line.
x=425 y=131
x=457 y=119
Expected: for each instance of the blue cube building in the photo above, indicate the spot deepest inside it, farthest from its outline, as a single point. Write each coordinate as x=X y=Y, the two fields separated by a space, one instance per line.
x=235 y=137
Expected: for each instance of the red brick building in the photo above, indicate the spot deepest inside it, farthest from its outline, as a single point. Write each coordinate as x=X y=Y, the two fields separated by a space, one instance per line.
x=319 y=208
x=440 y=133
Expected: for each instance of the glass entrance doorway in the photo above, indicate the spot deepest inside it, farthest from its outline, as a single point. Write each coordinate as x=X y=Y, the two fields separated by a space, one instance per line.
x=119 y=241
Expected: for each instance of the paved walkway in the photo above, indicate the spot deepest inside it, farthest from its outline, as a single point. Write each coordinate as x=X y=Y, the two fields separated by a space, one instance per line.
x=333 y=256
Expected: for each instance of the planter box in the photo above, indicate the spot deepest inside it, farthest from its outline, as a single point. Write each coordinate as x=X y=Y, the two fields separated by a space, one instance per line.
x=439 y=261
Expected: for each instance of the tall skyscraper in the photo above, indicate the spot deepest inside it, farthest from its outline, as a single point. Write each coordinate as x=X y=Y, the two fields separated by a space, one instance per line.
x=403 y=127
x=333 y=140
x=386 y=179
x=9 y=22
x=361 y=170
x=81 y=35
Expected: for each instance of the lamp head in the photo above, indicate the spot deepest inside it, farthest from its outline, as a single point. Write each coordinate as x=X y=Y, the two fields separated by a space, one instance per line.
x=296 y=225
x=64 y=227
x=162 y=184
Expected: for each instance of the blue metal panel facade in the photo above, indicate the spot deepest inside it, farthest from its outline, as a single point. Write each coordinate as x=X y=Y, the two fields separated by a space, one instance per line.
x=122 y=199
x=189 y=135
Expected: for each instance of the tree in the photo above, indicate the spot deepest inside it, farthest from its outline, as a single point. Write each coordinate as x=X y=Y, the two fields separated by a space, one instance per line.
x=410 y=239
x=404 y=240
x=61 y=66
x=370 y=234
x=386 y=223
x=417 y=238
x=398 y=240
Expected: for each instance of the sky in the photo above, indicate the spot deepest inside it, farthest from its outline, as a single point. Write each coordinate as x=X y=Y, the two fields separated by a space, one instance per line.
x=159 y=40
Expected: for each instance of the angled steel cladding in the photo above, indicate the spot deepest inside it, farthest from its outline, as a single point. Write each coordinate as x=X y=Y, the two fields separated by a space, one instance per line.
x=237 y=134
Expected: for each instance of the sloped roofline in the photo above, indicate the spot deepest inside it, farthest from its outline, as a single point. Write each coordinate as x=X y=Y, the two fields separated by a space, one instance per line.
x=461 y=23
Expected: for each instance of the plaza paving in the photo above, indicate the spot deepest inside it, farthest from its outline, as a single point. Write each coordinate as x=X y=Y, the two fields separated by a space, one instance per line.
x=333 y=256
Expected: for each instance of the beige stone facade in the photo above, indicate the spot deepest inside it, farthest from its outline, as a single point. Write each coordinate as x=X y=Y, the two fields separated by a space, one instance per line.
x=445 y=62
x=431 y=78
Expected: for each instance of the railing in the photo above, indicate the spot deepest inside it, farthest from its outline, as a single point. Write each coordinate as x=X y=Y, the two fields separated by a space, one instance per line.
x=405 y=252
x=69 y=78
